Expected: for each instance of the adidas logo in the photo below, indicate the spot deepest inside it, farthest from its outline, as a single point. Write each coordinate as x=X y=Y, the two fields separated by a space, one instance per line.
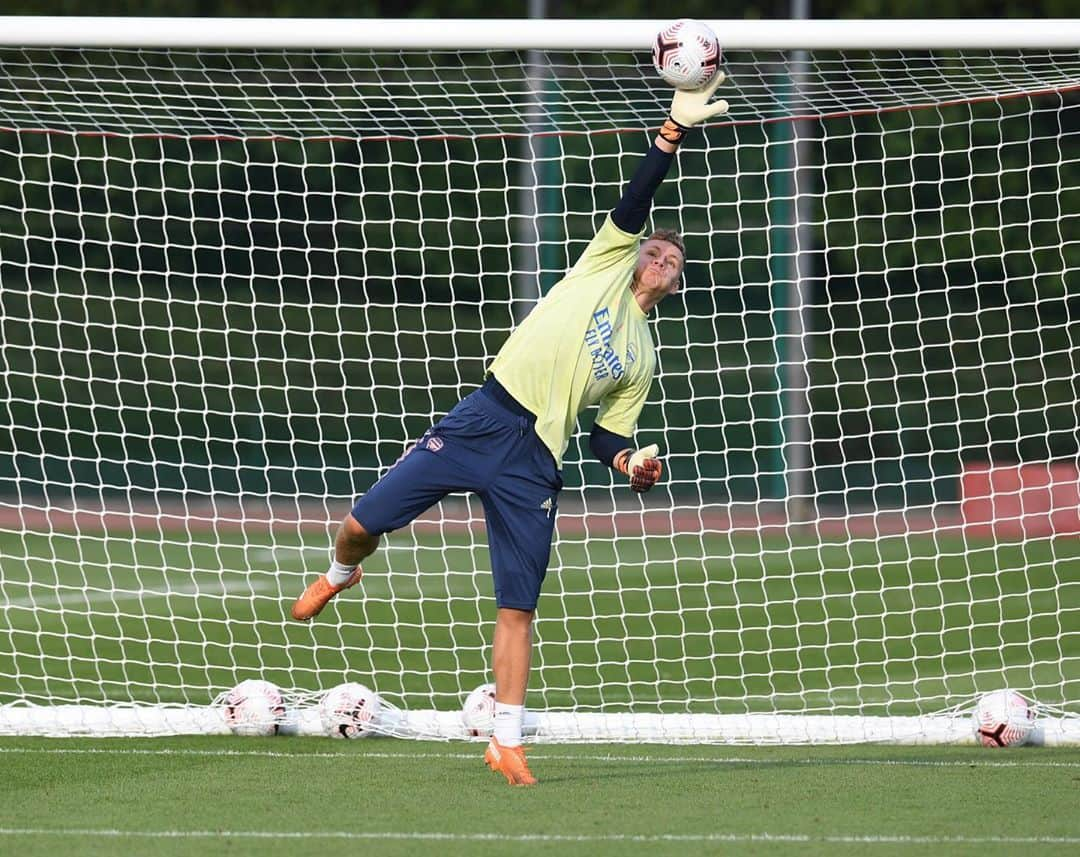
x=546 y=506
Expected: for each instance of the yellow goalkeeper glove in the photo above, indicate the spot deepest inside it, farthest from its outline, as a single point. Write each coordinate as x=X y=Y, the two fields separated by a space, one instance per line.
x=689 y=107
x=642 y=466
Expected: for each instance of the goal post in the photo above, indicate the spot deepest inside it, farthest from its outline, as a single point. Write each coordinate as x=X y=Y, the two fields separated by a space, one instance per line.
x=244 y=263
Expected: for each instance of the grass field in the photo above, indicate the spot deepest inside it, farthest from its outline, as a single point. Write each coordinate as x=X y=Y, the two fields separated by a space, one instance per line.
x=293 y=796
x=701 y=623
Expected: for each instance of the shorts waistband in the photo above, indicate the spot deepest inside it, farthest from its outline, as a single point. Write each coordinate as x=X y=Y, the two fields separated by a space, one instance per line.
x=497 y=394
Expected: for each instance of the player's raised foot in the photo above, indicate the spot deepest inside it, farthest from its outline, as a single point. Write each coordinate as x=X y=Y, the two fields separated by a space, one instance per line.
x=319 y=593
x=510 y=762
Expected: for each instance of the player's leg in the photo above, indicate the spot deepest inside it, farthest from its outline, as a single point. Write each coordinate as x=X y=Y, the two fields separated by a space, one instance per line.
x=415 y=483
x=519 y=511
x=456 y=454
x=511 y=656
x=520 y=545
x=352 y=545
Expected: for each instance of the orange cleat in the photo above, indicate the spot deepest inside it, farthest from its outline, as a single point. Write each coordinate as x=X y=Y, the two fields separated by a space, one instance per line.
x=510 y=762
x=315 y=597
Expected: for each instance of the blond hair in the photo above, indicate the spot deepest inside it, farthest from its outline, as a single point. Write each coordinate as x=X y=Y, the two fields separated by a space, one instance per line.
x=671 y=236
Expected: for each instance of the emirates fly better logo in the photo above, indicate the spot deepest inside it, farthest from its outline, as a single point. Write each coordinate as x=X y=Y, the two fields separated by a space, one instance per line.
x=605 y=361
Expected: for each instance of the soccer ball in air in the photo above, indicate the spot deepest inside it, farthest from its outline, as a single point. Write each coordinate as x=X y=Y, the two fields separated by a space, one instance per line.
x=1003 y=719
x=254 y=707
x=686 y=54
x=349 y=710
x=478 y=712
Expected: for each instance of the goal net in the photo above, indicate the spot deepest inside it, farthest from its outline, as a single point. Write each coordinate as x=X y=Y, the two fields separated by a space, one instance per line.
x=238 y=281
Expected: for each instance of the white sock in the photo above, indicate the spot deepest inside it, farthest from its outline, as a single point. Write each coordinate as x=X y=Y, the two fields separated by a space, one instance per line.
x=508 y=724
x=339 y=573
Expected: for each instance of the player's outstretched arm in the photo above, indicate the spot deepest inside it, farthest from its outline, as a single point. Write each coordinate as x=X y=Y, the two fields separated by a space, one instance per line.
x=690 y=108
x=687 y=109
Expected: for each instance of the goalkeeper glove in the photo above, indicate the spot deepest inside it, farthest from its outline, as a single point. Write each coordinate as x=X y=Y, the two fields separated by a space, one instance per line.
x=689 y=107
x=642 y=466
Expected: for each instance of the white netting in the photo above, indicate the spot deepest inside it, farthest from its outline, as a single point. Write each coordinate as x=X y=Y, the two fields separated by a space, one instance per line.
x=304 y=94
x=211 y=341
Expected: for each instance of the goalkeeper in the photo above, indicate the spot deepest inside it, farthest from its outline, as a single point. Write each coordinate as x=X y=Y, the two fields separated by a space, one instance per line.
x=586 y=342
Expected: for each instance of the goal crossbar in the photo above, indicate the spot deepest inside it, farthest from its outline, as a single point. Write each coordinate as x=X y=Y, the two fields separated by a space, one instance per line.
x=525 y=34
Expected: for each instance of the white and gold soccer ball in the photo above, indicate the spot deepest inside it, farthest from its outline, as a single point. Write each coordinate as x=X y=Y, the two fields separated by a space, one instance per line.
x=350 y=710
x=1003 y=718
x=254 y=707
x=478 y=712
x=686 y=54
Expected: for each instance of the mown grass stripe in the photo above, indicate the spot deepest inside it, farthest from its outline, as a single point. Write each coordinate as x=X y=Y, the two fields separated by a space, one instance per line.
x=541 y=756
x=875 y=839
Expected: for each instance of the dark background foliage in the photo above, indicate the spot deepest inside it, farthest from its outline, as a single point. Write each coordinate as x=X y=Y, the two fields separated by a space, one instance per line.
x=241 y=323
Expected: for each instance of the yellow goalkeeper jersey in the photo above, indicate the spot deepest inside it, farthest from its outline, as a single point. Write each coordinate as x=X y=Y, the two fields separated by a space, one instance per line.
x=585 y=342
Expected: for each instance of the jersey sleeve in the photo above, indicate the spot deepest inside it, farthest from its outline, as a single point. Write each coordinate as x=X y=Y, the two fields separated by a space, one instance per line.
x=620 y=409
x=633 y=208
x=609 y=248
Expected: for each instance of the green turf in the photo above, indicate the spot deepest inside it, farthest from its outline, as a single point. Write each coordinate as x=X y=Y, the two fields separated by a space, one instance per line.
x=421 y=798
x=887 y=625
x=697 y=623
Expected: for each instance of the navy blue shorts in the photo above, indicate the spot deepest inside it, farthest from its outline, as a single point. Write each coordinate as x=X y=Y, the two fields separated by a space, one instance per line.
x=487 y=446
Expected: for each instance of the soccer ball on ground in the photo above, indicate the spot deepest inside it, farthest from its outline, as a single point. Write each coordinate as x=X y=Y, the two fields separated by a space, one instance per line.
x=254 y=707
x=350 y=710
x=1003 y=719
x=686 y=54
x=478 y=712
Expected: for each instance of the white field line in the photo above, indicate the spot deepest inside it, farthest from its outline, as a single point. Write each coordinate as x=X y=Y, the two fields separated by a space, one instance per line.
x=263 y=554
x=46 y=596
x=525 y=838
x=325 y=551
x=539 y=755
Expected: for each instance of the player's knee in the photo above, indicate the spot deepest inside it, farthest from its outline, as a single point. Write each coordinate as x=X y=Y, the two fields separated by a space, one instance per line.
x=353 y=533
x=514 y=619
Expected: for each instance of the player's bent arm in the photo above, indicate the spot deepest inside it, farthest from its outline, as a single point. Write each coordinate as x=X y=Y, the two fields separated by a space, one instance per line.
x=642 y=466
x=606 y=445
x=617 y=452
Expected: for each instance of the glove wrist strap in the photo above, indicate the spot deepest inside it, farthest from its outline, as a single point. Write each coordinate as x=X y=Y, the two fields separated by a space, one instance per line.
x=672 y=131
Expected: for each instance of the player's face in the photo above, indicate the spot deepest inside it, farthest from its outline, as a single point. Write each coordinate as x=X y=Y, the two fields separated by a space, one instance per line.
x=659 y=267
